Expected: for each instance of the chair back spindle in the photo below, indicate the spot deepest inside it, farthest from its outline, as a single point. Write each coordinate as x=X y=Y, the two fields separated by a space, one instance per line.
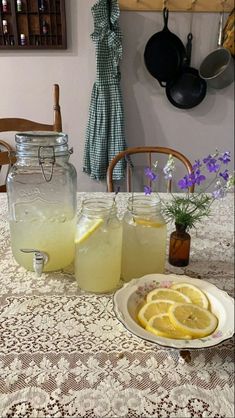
x=149 y=150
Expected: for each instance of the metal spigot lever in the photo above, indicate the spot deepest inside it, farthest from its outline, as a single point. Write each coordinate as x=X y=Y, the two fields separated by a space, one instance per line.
x=39 y=260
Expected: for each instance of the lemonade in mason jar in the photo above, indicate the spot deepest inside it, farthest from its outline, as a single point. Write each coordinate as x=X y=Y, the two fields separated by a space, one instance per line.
x=144 y=238
x=98 y=246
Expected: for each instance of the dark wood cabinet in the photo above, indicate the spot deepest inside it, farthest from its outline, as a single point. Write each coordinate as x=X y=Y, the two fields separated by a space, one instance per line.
x=32 y=24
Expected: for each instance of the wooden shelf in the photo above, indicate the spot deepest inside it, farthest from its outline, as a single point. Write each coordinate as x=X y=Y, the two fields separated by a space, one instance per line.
x=177 y=5
x=43 y=28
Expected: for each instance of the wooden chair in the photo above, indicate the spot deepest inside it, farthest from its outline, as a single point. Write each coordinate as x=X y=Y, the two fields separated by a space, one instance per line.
x=21 y=125
x=144 y=150
x=6 y=159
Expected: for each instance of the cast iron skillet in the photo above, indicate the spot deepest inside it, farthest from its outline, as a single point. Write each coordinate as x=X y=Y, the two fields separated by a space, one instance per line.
x=164 y=54
x=188 y=89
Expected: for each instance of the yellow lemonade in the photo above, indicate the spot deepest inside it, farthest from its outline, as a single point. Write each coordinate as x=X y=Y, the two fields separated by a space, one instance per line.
x=144 y=247
x=50 y=231
x=98 y=256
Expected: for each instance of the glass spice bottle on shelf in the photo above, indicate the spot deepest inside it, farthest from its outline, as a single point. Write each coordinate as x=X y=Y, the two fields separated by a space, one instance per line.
x=19 y=6
x=4 y=6
x=22 y=39
x=179 y=249
x=42 y=6
x=4 y=27
x=44 y=27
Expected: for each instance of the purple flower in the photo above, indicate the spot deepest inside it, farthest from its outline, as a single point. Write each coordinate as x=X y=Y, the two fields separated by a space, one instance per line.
x=225 y=175
x=197 y=164
x=225 y=158
x=211 y=164
x=191 y=179
x=183 y=183
x=147 y=190
x=199 y=179
x=196 y=177
x=150 y=174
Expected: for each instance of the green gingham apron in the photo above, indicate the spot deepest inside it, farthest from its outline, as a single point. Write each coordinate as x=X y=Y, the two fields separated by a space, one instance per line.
x=105 y=129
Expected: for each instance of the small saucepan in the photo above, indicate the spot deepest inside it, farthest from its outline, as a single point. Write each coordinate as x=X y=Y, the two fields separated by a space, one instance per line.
x=218 y=67
x=164 y=54
x=188 y=89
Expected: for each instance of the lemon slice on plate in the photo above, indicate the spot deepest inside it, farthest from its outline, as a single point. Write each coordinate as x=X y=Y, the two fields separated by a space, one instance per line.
x=192 y=319
x=169 y=294
x=162 y=326
x=87 y=229
x=153 y=308
x=148 y=222
x=193 y=292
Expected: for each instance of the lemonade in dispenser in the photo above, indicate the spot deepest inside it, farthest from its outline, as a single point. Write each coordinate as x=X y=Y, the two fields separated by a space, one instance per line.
x=41 y=188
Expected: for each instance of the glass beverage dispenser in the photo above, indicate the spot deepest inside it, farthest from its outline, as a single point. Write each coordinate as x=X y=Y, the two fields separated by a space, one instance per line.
x=42 y=203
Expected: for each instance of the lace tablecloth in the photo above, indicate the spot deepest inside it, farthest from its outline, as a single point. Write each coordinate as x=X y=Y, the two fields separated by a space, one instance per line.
x=64 y=354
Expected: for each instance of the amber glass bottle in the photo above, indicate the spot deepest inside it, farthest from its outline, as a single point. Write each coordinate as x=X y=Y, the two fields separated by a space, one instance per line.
x=179 y=246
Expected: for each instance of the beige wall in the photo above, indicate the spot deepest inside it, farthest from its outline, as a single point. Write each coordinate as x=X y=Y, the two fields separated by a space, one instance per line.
x=26 y=80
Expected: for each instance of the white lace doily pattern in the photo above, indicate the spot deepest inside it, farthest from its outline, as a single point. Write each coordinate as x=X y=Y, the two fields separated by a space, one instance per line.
x=63 y=353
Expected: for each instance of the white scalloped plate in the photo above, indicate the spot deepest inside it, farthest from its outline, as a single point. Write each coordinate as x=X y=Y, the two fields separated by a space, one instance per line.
x=127 y=300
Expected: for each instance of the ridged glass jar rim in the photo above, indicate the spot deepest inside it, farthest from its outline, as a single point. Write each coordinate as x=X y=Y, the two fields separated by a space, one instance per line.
x=95 y=207
x=41 y=143
x=144 y=204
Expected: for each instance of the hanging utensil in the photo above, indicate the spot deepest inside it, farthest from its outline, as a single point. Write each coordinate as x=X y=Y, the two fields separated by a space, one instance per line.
x=218 y=67
x=188 y=89
x=164 y=54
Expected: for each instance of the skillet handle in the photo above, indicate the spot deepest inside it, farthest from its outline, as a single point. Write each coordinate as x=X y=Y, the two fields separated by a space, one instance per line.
x=189 y=48
x=220 y=32
x=165 y=18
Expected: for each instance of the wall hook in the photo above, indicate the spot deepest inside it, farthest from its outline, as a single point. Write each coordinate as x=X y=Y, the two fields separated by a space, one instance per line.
x=192 y=5
x=164 y=4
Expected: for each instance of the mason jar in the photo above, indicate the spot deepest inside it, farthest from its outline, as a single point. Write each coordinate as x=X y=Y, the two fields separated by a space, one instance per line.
x=98 y=246
x=41 y=188
x=144 y=238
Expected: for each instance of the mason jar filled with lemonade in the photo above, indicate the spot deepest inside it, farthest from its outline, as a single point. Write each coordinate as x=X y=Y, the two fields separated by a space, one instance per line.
x=41 y=188
x=144 y=238
x=98 y=246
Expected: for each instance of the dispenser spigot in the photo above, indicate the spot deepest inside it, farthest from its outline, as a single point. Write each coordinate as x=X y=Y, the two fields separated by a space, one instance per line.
x=40 y=258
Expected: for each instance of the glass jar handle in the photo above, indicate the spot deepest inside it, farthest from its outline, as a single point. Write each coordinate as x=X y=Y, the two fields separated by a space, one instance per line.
x=42 y=161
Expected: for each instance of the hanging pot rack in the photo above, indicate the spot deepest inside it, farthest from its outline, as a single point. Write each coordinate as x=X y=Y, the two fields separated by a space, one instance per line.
x=177 y=5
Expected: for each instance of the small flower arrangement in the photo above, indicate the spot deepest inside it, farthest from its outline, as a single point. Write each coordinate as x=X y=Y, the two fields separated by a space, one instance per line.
x=191 y=208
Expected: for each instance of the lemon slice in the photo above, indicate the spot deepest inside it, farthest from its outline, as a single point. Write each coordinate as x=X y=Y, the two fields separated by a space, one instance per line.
x=148 y=222
x=193 y=292
x=150 y=309
x=166 y=293
x=87 y=229
x=192 y=319
x=162 y=326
